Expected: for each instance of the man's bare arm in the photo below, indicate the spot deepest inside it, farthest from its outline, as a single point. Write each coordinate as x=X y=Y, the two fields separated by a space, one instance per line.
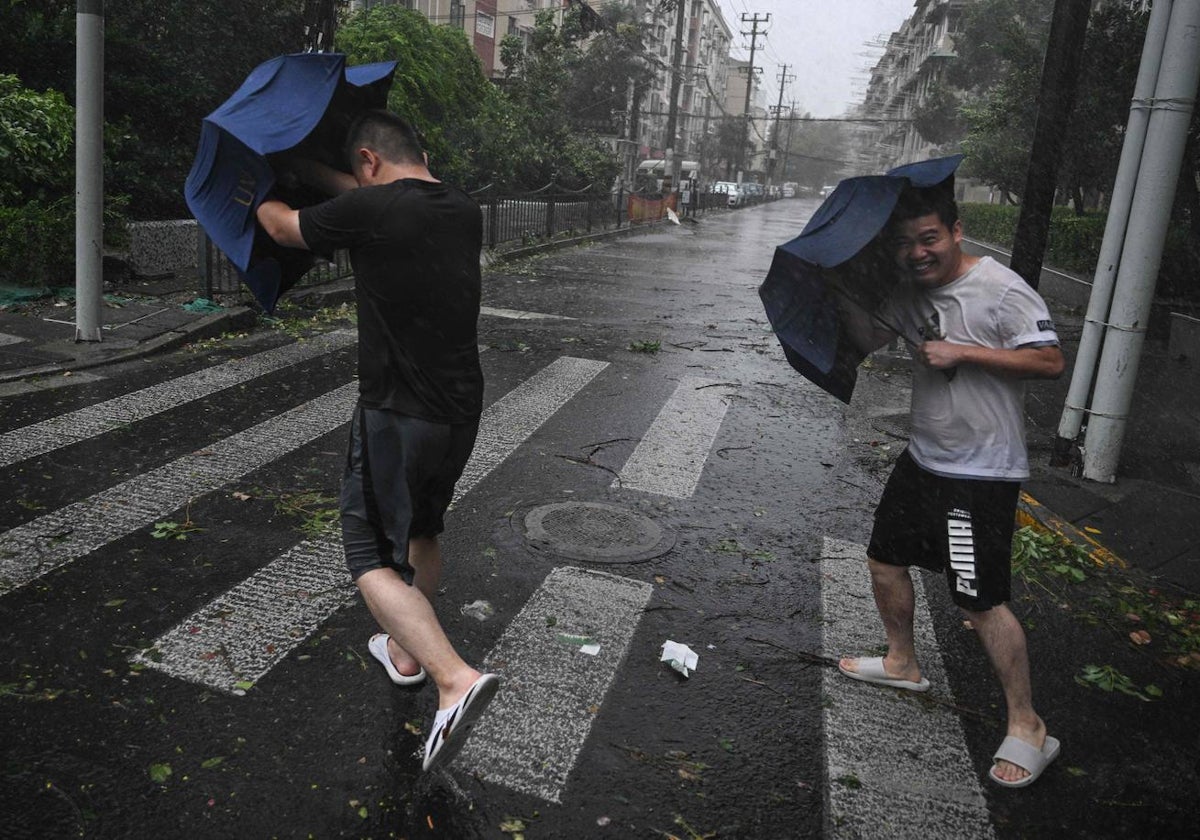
x=321 y=177
x=1022 y=362
x=281 y=223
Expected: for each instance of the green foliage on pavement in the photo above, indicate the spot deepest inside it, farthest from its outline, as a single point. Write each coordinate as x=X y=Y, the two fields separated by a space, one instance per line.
x=1164 y=623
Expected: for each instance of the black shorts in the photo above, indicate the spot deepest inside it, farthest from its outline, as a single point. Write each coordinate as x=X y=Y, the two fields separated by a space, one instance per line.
x=961 y=527
x=397 y=485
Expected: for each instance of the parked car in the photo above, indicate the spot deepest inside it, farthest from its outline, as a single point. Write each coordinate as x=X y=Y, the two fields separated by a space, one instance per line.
x=734 y=196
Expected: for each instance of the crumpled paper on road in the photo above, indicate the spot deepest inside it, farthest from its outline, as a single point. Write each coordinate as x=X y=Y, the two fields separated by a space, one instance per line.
x=680 y=657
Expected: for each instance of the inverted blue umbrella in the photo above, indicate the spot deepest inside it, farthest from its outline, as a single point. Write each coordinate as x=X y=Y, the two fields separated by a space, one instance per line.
x=299 y=104
x=836 y=263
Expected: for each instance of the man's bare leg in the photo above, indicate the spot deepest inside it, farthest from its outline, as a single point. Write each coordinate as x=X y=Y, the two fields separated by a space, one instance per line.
x=425 y=557
x=1004 y=640
x=895 y=600
x=406 y=615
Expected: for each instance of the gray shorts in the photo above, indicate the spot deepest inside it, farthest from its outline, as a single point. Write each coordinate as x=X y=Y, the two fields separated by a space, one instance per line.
x=398 y=483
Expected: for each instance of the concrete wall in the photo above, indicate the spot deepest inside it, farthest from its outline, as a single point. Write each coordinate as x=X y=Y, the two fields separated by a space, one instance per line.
x=158 y=248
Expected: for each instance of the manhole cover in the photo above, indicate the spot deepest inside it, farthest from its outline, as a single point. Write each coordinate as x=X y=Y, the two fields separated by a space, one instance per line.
x=596 y=533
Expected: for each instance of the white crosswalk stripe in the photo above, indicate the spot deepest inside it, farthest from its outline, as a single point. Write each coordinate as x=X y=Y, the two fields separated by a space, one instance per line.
x=892 y=762
x=75 y=426
x=241 y=635
x=534 y=730
x=670 y=457
x=31 y=550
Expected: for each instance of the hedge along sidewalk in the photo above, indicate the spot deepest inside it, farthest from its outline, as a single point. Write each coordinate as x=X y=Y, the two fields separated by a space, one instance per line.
x=1073 y=242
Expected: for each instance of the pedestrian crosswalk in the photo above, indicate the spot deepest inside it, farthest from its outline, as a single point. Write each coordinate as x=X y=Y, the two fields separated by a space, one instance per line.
x=240 y=636
x=76 y=426
x=237 y=638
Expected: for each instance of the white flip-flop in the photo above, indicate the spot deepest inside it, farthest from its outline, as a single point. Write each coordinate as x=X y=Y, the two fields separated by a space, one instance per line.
x=870 y=669
x=1026 y=756
x=452 y=726
x=378 y=648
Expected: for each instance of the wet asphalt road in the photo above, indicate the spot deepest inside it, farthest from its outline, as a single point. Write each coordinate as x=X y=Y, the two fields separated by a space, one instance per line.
x=323 y=745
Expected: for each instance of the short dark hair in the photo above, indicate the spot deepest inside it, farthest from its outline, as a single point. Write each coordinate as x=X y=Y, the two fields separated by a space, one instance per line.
x=916 y=202
x=391 y=137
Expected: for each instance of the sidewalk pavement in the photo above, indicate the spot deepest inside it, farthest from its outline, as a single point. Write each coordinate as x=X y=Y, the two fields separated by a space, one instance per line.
x=37 y=337
x=1145 y=520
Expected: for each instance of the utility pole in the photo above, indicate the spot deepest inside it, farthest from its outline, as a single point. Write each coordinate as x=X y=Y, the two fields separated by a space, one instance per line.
x=784 y=78
x=89 y=168
x=1060 y=80
x=754 y=20
x=673 y=107
x=787 y=149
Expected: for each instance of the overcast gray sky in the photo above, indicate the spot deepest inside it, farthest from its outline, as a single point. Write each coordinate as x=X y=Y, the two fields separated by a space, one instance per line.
x=823 y=43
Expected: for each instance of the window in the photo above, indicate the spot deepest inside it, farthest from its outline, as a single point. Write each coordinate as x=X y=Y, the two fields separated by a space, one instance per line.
x=485 y=24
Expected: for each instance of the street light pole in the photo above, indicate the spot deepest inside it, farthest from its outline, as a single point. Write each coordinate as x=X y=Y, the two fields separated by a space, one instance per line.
x=89 y=168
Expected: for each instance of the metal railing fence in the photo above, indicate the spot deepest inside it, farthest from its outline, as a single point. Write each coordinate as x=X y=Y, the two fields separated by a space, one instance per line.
x=526 y=218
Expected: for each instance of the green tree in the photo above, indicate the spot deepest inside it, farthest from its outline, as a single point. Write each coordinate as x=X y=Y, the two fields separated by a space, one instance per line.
x=997 y=76
x=1000 y=51
x=36 y=142
x=168 y=63
x=439 y=86
x=613 y=64
x=538 y=80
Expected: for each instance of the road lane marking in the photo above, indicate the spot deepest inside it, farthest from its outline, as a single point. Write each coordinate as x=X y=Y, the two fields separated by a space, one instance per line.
x=914 y=774
x=669 y=459
x=519 y=315
x=239 y=636
x=533 y=732
x=31 y=550
x=75 y=426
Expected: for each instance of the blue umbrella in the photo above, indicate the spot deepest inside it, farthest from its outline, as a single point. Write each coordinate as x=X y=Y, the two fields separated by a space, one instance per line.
x=834 y=263
x=301 y=104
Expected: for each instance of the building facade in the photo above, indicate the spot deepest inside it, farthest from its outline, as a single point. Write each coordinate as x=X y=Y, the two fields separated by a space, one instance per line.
x=912 y=66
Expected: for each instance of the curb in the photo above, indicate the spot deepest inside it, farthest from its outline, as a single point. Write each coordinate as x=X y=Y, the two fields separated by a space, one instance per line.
x=206 y=327
x=1033 y=513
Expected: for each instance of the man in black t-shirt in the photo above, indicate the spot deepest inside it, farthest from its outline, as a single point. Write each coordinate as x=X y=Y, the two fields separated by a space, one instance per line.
x=414 y=244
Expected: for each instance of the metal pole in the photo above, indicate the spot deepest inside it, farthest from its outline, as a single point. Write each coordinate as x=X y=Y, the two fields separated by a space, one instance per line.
x=1150 y=213
x=754 y=20
x=1060 y=79
x=1114 y=235
x=673 y=108
x=784 y=78
x=89 y=168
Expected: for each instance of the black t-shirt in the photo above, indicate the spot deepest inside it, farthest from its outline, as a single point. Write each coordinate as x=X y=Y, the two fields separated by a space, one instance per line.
x=414 y=246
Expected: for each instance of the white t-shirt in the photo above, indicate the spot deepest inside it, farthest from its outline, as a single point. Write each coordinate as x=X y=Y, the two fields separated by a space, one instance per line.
x=971 y=424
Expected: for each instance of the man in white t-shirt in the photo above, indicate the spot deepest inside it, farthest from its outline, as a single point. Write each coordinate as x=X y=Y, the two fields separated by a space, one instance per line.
x=950 y=502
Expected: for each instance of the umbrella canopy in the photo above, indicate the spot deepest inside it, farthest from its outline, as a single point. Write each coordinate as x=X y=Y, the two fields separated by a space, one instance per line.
x=835 y=262
x=301 y=103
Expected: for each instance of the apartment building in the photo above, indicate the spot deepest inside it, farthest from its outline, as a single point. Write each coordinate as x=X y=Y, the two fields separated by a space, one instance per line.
x=913 y=63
